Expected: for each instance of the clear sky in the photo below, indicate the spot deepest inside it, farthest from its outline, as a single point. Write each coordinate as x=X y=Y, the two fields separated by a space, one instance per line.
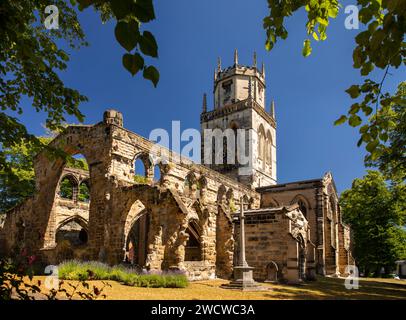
x=308 y=92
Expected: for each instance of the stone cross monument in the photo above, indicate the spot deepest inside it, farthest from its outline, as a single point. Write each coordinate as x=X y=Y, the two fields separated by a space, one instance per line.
x=243 y=279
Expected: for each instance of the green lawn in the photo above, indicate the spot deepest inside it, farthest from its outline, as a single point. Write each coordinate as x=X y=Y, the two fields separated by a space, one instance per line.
x=323 y=288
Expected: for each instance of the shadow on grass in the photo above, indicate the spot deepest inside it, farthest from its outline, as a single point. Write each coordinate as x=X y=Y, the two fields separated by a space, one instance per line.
x=334 y=288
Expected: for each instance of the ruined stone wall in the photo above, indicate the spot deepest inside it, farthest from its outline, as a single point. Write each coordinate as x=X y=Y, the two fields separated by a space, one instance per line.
x=186 y=193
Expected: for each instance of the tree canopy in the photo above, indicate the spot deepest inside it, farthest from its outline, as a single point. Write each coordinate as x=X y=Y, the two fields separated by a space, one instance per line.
x=376 y=213
x=20 y=183
x=32 y=56
x=379 y=44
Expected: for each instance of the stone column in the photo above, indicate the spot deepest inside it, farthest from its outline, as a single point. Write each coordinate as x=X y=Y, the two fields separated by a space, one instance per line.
x=243 y=279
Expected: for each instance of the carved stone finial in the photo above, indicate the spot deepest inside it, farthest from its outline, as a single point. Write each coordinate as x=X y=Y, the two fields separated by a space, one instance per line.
x=235 y=57
x=273 y=109
x=250 y=88
x=205 y=102
x=255 y=60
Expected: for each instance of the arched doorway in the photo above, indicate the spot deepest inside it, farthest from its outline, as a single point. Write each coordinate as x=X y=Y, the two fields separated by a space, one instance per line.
x=74 y=231
x=137 y=241
x=272 y=272
x=193 y=248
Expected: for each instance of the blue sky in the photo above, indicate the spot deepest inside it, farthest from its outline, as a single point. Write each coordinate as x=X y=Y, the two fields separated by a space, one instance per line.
x=308 y=92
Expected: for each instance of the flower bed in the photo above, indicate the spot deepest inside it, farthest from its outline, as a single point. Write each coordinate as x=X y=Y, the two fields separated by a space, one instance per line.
x=92 y=270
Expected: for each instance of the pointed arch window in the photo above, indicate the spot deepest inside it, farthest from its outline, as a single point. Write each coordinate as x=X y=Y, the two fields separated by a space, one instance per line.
x=302 y=207
x=261 y=142
x=268 y=144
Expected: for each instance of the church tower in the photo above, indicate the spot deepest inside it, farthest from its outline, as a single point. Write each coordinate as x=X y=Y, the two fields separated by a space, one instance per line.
x=240 y=110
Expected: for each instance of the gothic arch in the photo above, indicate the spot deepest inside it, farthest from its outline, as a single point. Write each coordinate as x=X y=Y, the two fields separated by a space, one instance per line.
x=148 y=163
x=75 y=237
x=71 y=177
x=193 y=246
x=234 y=125
x=246 y=199
x=303 y=203
x=272 y=270
x=261 y=142
x=73 y=185
x=269 y=143
x=137 y=213
x=79 y=219
x=271 y=202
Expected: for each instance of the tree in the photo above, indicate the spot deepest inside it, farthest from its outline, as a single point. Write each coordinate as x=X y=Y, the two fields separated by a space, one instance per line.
x=19 y=184
x=376 y=213
x=392 y=156
x=380 y=44
x=31 y=57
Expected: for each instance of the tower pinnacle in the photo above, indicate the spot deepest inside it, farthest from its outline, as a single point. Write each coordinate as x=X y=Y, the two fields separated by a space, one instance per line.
x=255 y=60
x=235 y=57
x=204 y=102
x=272 y=109
x=218 y=64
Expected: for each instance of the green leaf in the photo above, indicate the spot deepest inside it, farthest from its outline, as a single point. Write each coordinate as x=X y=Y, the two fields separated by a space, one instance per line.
x=366 y=137
x=145 y=10
x=307 y=49
x=315 y=36
x=268 y=46
x=367 y=68
x=333 y=11
x=354 y=121
x=127 y=34
x=322 y=21
x=122 y=8
x=133 y=62
x=83 y=4
x=364 y=129
x=340 y=120
x=354 y=108
x=384 y=136
x=371 y=146
x=359 y=142
x=151 y=73
x=148 y=44
x=367 y=110
x=357 y=57
x=353 y=91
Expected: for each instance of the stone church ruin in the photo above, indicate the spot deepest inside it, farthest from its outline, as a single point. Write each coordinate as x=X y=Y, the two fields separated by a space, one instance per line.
x=185 y=219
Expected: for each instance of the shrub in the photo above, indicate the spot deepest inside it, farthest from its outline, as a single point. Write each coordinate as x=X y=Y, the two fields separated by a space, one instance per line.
x=93 y=270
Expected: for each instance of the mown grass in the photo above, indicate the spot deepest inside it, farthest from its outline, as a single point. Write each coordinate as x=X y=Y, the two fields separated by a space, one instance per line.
x=92 y=270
